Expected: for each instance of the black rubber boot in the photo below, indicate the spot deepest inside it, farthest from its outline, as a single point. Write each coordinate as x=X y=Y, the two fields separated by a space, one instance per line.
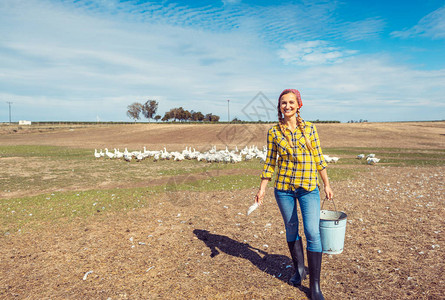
x=296 y=252
x=314 y=263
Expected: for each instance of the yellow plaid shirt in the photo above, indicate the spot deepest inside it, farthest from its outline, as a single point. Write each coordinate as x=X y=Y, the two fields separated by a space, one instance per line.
x=297 y=166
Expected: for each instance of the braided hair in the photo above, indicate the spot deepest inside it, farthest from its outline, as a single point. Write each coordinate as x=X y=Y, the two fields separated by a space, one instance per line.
x=282 y=129
x=300 y=122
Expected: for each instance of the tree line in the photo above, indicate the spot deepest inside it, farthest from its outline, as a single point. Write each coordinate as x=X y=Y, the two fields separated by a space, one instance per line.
x=150 y=107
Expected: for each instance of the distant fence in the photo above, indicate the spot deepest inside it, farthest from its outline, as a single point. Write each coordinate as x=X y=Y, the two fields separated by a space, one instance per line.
x=77 y=123
x=169 y=122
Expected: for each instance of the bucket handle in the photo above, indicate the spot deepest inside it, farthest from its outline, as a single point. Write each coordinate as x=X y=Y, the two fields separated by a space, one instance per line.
x=336 y=221
x=332 y=202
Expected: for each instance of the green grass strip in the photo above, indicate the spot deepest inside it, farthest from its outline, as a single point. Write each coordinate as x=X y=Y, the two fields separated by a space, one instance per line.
x=29 y=212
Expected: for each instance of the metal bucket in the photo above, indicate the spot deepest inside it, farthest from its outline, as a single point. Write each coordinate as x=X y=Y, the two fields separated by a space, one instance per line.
x=332 y=230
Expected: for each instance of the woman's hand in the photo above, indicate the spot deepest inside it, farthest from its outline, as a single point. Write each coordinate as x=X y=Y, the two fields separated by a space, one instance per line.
x=327 y=186
x=260 y=196
x=328 y=192
x=262 y=191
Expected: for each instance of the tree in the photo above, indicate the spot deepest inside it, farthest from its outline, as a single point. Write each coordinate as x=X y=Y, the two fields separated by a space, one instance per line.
x=211 y=118
x=149 y=109
x=166 y=117
x=187 y=115
x=173 y=114
x=178 y=114
x=134 y=111
x=197 y=116
x=157 y=117
x=181 y=114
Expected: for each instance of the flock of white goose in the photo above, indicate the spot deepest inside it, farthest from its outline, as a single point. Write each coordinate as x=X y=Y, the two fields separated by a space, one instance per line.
x=212 y=155
x=370 y=158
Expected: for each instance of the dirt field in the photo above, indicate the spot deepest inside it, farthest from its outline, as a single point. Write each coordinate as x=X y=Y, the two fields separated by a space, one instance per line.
x=201 y=245
x=420 y=135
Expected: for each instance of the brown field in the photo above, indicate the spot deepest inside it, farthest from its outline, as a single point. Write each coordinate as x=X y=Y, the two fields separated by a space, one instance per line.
x=420 y=135
x=185 y=244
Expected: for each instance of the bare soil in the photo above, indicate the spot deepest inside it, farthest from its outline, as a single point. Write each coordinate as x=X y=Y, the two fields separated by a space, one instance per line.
x=196 y=245
x=420 y=135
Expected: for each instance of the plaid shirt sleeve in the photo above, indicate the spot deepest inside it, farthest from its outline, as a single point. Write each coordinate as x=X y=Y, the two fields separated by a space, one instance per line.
x=318 y=154
x=271 y=157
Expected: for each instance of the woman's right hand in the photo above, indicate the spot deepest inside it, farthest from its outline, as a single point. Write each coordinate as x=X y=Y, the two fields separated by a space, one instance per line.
x=262 y=191
x=260 y=196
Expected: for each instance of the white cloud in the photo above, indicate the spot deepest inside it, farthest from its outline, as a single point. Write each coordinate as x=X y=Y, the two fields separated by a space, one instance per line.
x=432 y=26
x=86 y=60
x=312 y=53
x=226 y=2
x=376 y=78
x=64 y=61
x=361 y=30
x=374 y=88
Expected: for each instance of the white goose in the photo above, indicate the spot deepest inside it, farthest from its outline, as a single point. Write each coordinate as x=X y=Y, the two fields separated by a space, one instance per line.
x=156 y=157
x=165 y=154
x=117 y=153
x=372 y=160
x=108 y=153
x=127 y=155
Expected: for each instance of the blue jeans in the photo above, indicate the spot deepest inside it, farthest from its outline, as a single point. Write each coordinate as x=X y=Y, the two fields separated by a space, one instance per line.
x=310 y=211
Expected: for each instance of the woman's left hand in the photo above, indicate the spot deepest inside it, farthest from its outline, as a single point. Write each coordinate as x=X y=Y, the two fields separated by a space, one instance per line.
x=329 y=193
x=327 y=187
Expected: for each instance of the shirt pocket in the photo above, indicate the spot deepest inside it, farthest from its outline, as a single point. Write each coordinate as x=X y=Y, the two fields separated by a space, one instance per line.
x=282 y=145
x=301 y=141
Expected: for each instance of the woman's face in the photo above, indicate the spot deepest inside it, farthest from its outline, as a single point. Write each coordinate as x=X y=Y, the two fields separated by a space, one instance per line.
x=288 y=105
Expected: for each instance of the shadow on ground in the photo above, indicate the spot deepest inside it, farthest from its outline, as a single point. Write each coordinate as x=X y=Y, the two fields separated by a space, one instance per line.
x=272 y=264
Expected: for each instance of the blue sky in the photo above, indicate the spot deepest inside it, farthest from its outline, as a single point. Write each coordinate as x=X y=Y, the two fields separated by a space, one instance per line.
x=86 y=60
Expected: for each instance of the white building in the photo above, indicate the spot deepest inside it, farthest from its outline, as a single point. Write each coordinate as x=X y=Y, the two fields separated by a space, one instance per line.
x=24 y=122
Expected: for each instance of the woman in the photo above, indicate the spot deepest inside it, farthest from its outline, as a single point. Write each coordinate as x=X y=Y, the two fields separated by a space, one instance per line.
x=294 y=147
